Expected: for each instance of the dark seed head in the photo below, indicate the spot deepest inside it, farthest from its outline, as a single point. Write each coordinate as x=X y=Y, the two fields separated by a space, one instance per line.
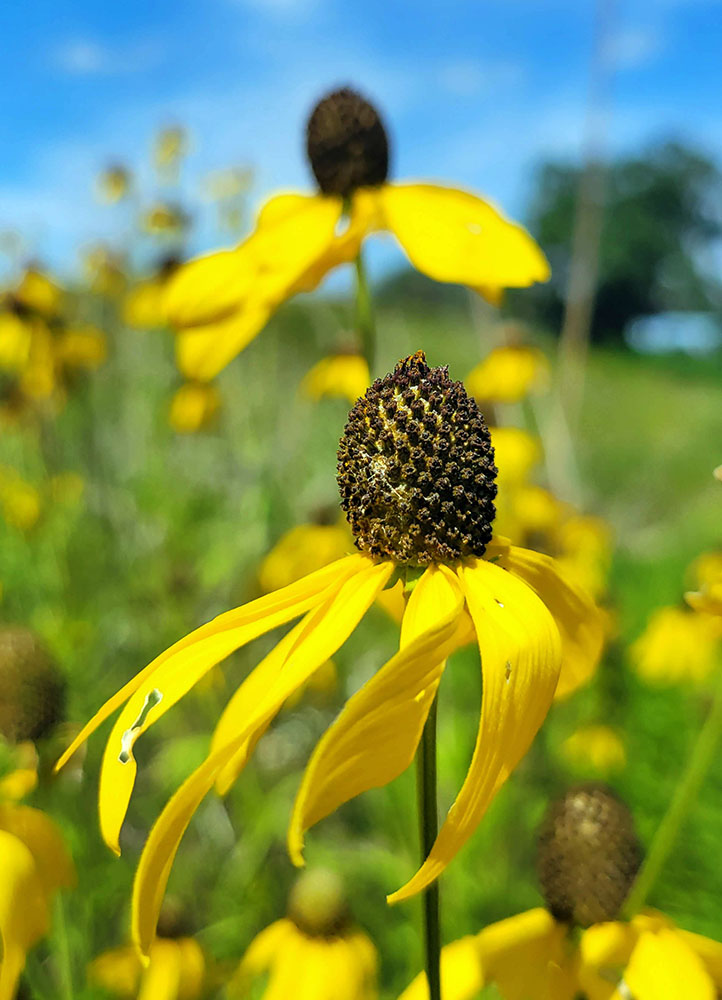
x=317 y=904
x=416 y=468
x=32 y=691
x=588 y=856
x=346 y=144
x=174 y=920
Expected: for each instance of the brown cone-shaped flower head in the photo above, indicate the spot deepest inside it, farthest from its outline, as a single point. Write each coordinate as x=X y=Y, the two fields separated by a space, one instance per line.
x=346 y=144
x=317 y=904
x=31 y=688
x=416 y=468
x=588 y=856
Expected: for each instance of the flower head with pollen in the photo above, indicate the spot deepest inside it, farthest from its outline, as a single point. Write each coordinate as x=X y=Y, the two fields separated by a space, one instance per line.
x=219 y=302
x=416 y=473
x=588 y=857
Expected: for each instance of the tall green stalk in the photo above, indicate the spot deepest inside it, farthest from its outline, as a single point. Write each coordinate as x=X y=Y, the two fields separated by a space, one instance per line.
x=365 y=322
x=428 y=828
x=682 y=801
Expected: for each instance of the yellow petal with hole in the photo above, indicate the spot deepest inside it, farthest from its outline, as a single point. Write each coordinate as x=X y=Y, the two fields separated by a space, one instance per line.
x=664 y=967
x=23 y=910
x=195 y=653
x=578 y=619
x=43 y=839
x=461 y=974
x=209 y=288
x=520 y=658
x=297 y=656
x=203 y=351
x=454 y=236
x=375 y=737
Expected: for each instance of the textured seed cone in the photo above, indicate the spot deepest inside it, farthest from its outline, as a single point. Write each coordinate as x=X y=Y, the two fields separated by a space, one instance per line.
x=317 y=904
x=31 y=688
x=416 y=468
x=588 y=856
x=346 y=143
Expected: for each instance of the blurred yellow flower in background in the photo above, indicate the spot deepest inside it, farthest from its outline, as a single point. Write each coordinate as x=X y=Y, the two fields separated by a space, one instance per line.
x=677 y=645
x=577 y=946
x=169 y=146
x=194 y=407
x=113 y=183
x=218 y=303
x=341 y=375
x=164 y=219
x=83 y=347
x=34 y=864
x=596 y=748
x=708 y=574
x=508 y=374
x=302 y=550
x=39 y=293
x=19 y=500
x=528 y=621
x=315 y=953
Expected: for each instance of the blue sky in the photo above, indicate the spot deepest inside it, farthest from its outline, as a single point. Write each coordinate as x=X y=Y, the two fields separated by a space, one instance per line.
x=474 y=91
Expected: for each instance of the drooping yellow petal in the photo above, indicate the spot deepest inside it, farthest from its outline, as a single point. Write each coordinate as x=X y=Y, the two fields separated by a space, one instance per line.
x=243 y=624
x=525 y=956
x=23 y=910
x=375 y=737
x=580 y=624
x=461 y=973
x=340 y=375
x=203 y=351
x=664 y=967
x=303 y=650
x=194 y=407
x=507 y=374
x=208 y=288
x=43 y=839
x=454 y=236
x=264 y=947
x=163 y=978
x=520 y=658
x=335 y=620
x=709 y=951
x=117 y=970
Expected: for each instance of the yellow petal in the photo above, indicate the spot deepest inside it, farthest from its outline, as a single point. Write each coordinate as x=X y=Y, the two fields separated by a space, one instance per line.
x=520 y=659
x=203 y=351
x=375 y=737
x=301 y=550
x=209 y=287
x=334 y=620
x=23 y=910
x=579 y=621
x=44 y=841
x=525 y=956
x=664 y=967
x=264 y=947
x=118 y=971
x=461 y=974
x=709 y=951
x=507 y=374
x=454 y=236
x=193 y=407
x=161 y=979
x=341 y=375
x=302 y=651
x=244 y=623
x=193 y=968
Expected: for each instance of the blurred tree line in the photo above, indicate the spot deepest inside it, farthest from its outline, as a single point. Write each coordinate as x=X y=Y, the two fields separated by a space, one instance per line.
x=661 y=227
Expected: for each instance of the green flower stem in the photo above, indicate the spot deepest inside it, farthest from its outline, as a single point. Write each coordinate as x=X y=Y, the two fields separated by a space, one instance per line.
x=682 y=801
x=365 y=322
x=60 y=935
x=428 y=824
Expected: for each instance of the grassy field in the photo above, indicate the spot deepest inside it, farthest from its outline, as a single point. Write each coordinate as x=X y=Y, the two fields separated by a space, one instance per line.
x=170 y=530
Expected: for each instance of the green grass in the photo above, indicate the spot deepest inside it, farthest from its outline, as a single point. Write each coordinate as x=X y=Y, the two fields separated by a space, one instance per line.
x=170 y=531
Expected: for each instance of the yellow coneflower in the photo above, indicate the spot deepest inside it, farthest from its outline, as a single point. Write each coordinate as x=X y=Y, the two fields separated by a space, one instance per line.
x=315 y=953
x=678 y=644
x=20 y=501
x=595 y=747
x=194 y=407
x=164 y=219
x=218 y=303
x=345 y=376
x=577 y=946
x=175 y=970
x=143 y=305
x=169 y=146
x=113 y=183
x=508 y=374
x=81 y=347
x=34 y=862
x=416 y=476
x=708 y=598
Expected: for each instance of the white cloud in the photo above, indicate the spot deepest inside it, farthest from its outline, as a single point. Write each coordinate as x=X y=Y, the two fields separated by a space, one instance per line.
x=88 y=57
